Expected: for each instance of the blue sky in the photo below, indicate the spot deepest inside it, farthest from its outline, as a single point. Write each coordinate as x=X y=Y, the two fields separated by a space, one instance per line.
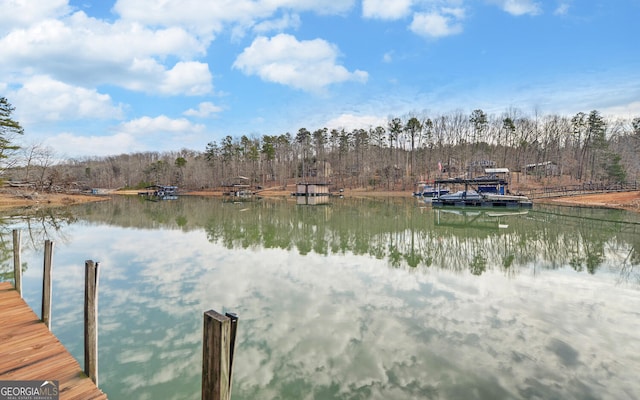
x=102 y=78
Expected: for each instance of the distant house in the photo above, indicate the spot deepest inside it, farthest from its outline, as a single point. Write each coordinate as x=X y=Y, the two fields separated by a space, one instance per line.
x=480 y=165
x=496 y=171
x=546 y=168
x=319 y=169
x=501 y=173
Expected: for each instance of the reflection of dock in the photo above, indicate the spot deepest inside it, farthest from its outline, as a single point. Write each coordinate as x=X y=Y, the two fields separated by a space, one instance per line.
x=478 y=218
x=29 y=351
x=239 y=196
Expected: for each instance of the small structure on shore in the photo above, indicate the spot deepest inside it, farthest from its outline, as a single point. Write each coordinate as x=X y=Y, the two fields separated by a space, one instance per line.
x=312 y=193
x=238 y=189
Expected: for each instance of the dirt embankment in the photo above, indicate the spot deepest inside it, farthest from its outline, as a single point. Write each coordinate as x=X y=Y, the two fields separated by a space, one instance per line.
x=623 y=200
x=17 y=198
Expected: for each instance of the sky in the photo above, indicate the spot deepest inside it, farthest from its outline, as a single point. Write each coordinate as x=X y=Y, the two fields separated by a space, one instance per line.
x=100 y=78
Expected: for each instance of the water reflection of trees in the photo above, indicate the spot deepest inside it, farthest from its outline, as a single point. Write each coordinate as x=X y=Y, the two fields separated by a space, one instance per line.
x=398 y=231
x=36 y=226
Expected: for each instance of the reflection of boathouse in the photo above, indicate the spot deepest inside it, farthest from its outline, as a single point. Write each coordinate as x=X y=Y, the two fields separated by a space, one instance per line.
x=160 y=192
x=312 y=193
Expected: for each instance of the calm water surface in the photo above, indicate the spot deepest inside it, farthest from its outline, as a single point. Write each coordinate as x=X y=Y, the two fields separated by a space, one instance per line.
x=359 y=299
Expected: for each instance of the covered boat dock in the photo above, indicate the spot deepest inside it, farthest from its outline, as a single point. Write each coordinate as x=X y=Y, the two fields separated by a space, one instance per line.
x=484 y=191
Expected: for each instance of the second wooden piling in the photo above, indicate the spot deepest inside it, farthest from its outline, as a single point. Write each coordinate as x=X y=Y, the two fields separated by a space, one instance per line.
x=91 y=320
x=47 y=283
x=17 y=263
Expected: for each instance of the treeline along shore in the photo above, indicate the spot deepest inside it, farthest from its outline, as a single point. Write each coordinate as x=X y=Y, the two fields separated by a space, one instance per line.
x=539 y=150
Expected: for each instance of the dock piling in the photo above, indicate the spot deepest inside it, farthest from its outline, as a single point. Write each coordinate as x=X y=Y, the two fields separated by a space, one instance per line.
x=217 y=354
x=47 y=283
x=232 y=343
x=91 y=320
x=17 y=263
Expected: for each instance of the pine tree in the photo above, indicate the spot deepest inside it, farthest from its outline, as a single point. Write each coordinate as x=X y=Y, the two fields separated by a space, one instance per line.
x=614 y=170
x=9 y=130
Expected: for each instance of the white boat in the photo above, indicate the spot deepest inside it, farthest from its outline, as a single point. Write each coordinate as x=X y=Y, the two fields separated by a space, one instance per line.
x=461 y=195
x=428 y=192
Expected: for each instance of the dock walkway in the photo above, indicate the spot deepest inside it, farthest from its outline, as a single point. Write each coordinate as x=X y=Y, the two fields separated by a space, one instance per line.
x=29 y=351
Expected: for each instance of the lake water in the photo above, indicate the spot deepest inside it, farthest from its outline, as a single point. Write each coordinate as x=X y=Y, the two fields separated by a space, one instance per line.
x=358 y=299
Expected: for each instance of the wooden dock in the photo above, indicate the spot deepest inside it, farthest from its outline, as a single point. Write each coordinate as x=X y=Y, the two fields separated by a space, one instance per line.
x=29 y=351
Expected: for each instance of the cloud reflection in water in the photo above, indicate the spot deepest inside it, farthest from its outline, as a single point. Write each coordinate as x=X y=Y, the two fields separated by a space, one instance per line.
x=344 y=326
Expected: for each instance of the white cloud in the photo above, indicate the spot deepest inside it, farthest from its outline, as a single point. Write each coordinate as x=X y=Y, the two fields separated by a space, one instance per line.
x=350 y=122
x=209 y=18
x=42 y=98
x=308 y=65
x=384 y=9
x=562 y=9
x=20 y=13
x=156 y=125
x=93 y=42
x=190 y=78
x=204 y=110
x=520 y=7
x=455 y=12
x=162 y=133
x=627 y=111
x=86 y=51
x=71 y=145
x=437 y=24
x=287 y=21
x=159 y=133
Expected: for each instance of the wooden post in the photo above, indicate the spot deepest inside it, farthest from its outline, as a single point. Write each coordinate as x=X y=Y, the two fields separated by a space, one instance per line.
x=47 y=284
x=217 y=354
x=17 y=267
x=91 y=276
x=232 y=344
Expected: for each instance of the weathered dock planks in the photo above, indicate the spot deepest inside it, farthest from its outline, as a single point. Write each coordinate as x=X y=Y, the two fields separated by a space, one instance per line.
x=29 y=351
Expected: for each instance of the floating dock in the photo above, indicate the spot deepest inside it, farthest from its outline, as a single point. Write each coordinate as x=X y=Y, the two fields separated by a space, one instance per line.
x=29 y=351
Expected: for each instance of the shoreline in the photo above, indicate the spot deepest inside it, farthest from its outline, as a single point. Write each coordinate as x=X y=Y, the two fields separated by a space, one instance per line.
x=18 y=199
